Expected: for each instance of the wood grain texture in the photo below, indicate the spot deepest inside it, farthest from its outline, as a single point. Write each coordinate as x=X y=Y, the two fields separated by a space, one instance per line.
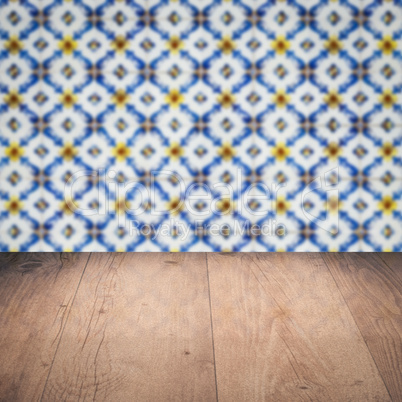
x=139 y=330
x=283 y=332
x=372 y=291
x=36 y=294
x=392 y=261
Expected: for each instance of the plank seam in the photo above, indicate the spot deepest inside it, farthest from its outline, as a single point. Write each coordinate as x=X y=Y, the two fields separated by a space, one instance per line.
x=360 y=332
x=64 y=326
x=212 y=327
x=386 y=264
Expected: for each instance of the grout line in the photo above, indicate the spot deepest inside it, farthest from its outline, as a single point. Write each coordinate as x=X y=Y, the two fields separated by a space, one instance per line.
x=357 y=326
x=254 y=134
x=191 y=179
x=360 y=134
x=212 y=327
x=61 y=335
x=41 y=136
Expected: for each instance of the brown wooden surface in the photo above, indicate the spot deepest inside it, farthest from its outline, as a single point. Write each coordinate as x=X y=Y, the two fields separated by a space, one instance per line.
x=393 y=261
x=167 y=326
x=139 y=330
x=282 y=332
x=36 y=295
x=372 y=291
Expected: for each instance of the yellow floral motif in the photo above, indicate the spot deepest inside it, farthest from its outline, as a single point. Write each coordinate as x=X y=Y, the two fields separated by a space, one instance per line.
x=333 y=45
x=226 y=151
x=120 y=98
x=281 y=206
x=281 y=99
x=174 y=98
x=67 y=45
x=14 y=205
x=226 y=99
x=13 y=45
x=333 y=205
x=388 y=99
x=68 y=99
x=387 y=45
x=387 y=151
x=226 y=45
x=280 y=45
x=14 y=152
x=175 y=205
x=333 y=151
x=68 y=152
x=121 y=206
x=333 y=99
x=175 y=44
x=225 y=205
x=120 y=44
x=13 y=99
x=175 y=151
x=121 y=151
x=387 y=205
x=280 y=151
x=69 y=206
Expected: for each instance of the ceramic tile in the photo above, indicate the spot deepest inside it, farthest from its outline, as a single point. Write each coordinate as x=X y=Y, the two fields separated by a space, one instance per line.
x=257 y=115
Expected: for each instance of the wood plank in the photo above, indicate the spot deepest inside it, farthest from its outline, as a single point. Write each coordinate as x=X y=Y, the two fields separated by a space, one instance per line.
x=36 y=294
x=139 y=329
x=373 y=293
x=283 y=332
x=393 y=261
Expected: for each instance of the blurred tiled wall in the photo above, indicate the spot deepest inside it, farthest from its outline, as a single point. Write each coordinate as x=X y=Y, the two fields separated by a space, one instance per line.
x=201 y=125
